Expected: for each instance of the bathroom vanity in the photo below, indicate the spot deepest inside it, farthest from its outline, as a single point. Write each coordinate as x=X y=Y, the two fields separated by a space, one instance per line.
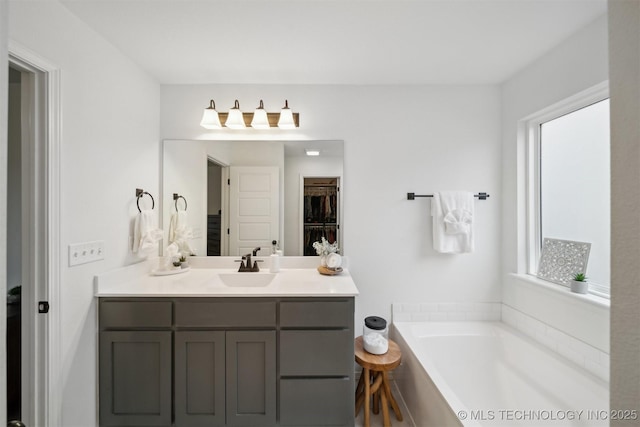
x=192 y=350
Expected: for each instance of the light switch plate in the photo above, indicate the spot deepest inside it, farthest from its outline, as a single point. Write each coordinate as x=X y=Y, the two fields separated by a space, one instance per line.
x=82 y=253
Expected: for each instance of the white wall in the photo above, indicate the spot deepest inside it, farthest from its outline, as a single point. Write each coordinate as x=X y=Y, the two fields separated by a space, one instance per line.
x=624 y=54
x=573 y=66
x=397 y=139
x=109 y=146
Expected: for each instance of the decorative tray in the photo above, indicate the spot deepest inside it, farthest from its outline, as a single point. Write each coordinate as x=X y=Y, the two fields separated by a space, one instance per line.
x=169 y=272
x=329 y=271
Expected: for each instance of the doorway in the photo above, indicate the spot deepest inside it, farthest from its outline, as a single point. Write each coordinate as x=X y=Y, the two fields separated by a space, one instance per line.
x=14 y=242
x=214 y=208
x=321 y=207
x=32 y=201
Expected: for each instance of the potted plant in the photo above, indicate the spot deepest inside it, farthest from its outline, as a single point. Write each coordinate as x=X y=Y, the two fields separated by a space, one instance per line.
x=579 y=283
x=183 y=262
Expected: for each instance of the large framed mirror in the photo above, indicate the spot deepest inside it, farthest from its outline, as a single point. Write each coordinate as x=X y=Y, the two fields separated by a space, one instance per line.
x=228 y=197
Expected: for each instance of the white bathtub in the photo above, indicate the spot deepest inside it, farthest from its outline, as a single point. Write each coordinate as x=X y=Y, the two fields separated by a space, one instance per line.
x=488 y=374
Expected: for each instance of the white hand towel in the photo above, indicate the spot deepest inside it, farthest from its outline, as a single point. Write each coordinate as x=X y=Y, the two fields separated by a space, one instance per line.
x=146 y=233
x=180 y=232
x=178 y=219
x=452 y=213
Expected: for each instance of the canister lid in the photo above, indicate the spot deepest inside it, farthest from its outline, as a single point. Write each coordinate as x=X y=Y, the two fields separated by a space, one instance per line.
x=375 y=322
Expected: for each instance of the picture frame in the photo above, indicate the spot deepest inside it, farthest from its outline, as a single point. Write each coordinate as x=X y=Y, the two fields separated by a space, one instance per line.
x=560 y=260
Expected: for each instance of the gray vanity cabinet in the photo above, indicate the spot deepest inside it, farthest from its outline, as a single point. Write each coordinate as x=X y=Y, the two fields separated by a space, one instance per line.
x=239 y=387
x=251 y=378
x=316 y=362
x=135 y=364
x=225 y=378
x=195 y=362
x=199 y=366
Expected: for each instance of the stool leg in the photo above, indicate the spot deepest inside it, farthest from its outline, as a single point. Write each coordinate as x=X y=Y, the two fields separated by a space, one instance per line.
x=392 y=400
x=376 y=389
x=360 y=393
x=376 y=397
x=367 y=395
x=360 y=386
x=385 y=408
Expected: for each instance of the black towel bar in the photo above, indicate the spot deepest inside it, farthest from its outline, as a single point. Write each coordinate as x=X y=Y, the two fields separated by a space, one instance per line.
x=412 y=196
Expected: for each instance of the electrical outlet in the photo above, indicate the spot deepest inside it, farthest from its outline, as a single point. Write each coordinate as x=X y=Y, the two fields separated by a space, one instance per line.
x=82 y=253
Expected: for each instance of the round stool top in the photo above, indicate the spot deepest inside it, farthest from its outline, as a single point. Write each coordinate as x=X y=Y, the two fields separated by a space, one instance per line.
x=378 y=362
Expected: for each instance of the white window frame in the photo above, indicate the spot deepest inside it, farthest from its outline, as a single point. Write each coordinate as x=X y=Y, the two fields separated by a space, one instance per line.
x=531 y=128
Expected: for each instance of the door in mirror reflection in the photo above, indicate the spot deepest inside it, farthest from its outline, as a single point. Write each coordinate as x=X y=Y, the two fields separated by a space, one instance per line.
x=254 y=210
x=320 y=211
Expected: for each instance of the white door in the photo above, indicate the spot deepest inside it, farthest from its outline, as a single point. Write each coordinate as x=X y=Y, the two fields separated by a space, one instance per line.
x=254 y=202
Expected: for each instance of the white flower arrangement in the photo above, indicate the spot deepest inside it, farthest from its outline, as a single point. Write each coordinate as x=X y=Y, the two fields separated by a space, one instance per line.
x=324 y=248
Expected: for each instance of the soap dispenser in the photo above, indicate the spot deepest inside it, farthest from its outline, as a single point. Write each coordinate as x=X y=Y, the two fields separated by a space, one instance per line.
x=274 y=267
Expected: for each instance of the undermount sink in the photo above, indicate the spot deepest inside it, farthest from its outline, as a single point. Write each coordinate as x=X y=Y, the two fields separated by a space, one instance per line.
x=247 y=280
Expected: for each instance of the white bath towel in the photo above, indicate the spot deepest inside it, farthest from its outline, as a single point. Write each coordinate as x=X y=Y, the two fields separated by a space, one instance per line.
x=452 y=213
x=146 y=233
x=179 y=231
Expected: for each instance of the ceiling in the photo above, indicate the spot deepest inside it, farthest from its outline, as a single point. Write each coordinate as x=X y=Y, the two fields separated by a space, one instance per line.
x=335 y=41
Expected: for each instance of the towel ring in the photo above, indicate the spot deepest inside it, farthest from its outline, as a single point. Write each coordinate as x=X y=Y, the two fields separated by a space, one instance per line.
x=139 y=193
x=176 y=196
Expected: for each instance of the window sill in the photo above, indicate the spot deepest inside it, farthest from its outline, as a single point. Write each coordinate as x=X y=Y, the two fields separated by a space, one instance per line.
x=560 y=290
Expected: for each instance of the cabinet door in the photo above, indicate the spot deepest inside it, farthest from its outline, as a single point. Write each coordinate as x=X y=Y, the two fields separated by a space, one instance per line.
x=135 y=378
x=199 y=378
x=251 y=378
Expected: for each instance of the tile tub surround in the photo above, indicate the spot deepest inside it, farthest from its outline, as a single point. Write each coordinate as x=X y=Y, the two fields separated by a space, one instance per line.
x=403 y=312
x=584 y=355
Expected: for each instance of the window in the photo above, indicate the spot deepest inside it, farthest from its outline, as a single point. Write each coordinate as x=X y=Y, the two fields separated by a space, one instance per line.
x=569 y=176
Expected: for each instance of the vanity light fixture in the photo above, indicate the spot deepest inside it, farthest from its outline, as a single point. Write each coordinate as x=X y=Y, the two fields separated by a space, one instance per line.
x=210 y=119
x=312 y=152
x=259 y=119
x=235 y=119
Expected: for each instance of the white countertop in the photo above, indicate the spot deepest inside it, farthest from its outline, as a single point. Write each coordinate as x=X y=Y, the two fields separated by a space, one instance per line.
x=136 y=281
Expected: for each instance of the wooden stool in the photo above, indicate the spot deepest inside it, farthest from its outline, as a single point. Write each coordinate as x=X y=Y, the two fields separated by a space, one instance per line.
x=374 y=381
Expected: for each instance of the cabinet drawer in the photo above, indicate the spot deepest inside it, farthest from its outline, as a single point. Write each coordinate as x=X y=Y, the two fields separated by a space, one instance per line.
x=330 y=314
x=308 y=353
x=225 y=314
x=316 y=402
x=135 y=314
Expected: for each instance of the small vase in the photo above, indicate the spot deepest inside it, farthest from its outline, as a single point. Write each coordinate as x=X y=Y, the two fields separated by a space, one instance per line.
x=323 y=261
x=579 y=287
